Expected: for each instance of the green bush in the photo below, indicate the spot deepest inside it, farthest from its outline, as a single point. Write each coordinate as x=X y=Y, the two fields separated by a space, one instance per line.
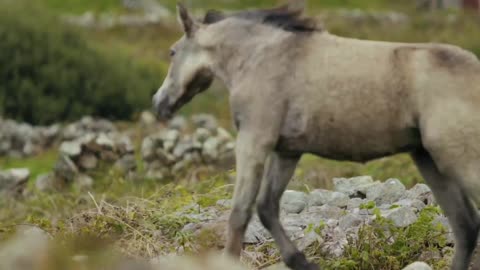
x=49 y=72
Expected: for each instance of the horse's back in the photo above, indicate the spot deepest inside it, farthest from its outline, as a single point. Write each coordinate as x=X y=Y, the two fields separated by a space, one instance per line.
x=359 y=99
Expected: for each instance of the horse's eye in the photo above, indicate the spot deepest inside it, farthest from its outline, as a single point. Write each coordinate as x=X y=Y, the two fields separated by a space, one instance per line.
x=172 y=53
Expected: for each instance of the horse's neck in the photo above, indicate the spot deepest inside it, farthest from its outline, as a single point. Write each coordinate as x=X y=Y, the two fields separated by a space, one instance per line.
x=235 y=60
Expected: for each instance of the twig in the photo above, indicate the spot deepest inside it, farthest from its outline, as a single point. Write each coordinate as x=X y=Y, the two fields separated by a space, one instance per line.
x=96 y=204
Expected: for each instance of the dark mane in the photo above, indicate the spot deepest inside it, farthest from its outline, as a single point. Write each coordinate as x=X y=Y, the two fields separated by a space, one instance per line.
x=281 y=17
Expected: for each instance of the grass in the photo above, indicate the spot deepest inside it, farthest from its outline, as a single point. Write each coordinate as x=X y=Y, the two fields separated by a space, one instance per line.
x=141 y=220
x=315 y=172
x=79 y=6
x=40 y=164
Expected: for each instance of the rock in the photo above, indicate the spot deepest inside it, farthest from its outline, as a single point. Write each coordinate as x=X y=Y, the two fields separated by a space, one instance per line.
x=179 y=123
x=105 y=141
x=353 y=187
x=201 y=135
x=316 y=214
x=350 y=221
x=164 y=157
x=88 y=162
x=148 y=149
x=156 y=174
x=308 y=240
x=224 y=135
x=387 y=193
x=49 y=182
x=401 y=216
x=147 y=119
x=87 y=125
x=71 y=149
x=182 y=148
x=13 y=181
x=65 y=168
x=205 y=121
x=210 y=149
x=84 y=181
x=355 y=203
x=430 y=255
x=294 y=201
x=416 y=204
x=224 y=203
x=256 y=233
x=171 y=135
x=443 y=221
x=127 y=163
x=418 y=266
x=320 y=197
x=181 y=166
x=421 y=192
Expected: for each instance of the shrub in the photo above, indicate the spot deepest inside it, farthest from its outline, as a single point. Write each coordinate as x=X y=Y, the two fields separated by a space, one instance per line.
x=50 y=72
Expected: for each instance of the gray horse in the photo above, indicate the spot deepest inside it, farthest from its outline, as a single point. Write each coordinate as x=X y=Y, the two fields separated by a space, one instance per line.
x=295 y=88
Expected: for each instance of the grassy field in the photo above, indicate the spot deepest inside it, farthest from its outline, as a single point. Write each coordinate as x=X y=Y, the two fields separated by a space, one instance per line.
x=150 y=45
x=78 y=6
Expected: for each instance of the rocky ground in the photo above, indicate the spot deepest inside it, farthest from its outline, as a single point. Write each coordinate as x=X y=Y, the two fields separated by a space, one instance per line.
x=105 y=185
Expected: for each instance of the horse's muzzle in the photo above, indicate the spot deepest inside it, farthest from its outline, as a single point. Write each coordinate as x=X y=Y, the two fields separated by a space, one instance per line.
x=162 y=109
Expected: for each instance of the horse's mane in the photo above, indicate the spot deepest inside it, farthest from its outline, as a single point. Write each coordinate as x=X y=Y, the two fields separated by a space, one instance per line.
x=281 y=17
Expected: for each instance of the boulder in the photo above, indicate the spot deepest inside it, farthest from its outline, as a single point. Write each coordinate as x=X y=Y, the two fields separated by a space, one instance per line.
x=14 y=181
x=205 y=121
x=294 y=201
x=401 y=216
x=418 y=266
x=71 y=148
x=320 y=197
x=353 y=187
x=49 y=182
x=386 y=193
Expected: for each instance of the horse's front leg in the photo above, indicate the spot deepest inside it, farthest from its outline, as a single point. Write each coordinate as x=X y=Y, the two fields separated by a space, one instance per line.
x=252 y=150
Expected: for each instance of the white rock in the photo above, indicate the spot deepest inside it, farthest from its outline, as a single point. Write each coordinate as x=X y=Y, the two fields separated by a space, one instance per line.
x=401 y=216
x=71 y=149
x=293 y=202
x=352 y=186
x=418 y=266
x=88 y=162
x=320 y=197
x=105 y=141
x=387 y=193
x=147 y=119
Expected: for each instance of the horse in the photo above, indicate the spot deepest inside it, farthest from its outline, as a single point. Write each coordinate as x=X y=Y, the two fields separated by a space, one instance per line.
x=294 y=88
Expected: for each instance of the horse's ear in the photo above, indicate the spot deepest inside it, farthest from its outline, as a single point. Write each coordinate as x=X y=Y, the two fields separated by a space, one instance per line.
x=186 y=20
x=296 y=6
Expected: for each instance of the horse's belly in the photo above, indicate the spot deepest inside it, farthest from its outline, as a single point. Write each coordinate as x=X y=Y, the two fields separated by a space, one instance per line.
x=359 y=145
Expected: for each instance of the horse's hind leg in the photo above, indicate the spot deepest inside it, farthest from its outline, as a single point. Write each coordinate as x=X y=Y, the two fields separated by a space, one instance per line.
x=279 y=171
x=452 y=197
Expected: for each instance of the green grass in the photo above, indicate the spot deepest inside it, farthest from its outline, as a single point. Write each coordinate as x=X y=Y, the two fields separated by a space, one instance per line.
x=78 y=6
x=40 y=164
x=314 y=172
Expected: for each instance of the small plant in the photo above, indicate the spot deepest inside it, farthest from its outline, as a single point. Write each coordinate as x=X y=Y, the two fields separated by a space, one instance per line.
x=381 y=245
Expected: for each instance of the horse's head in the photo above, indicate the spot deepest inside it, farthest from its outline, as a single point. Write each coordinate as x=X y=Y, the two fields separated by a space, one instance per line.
x=189 y=72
